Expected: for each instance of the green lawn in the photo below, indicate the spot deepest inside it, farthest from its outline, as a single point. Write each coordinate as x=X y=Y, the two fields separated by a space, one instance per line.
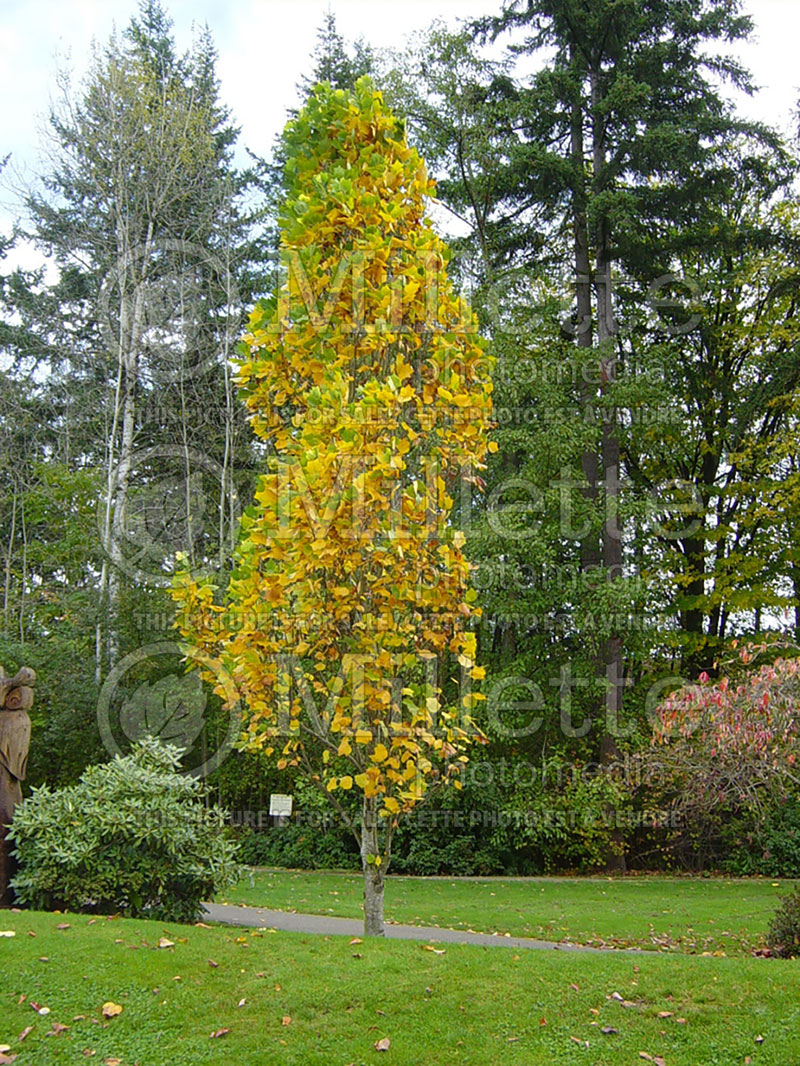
x=295 y=999
x=687 y=914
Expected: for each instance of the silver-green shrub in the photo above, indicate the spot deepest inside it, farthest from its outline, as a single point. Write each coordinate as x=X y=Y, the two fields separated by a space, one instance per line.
x=134 y=836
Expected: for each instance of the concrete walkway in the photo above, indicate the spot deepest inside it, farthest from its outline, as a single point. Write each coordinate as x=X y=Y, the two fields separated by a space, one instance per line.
x=261 y=918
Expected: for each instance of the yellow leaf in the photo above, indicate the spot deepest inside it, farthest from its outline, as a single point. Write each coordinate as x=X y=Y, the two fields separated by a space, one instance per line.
x=380 y=753
x=331 y=785
x=346 y=782
x=111 y=1010
x=345 y=747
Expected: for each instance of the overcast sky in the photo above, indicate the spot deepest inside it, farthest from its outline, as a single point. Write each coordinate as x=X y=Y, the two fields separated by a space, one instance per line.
x=264 y=47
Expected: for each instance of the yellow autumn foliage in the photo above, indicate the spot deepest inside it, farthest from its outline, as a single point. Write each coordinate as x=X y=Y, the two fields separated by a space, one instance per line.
x=366 y=380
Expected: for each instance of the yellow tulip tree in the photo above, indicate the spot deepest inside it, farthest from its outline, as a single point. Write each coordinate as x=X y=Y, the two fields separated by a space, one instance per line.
x=346 y=622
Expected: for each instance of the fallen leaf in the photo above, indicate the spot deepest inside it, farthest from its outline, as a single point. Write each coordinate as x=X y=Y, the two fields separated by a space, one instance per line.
x=286 y=1020
x=111 y=1010
x=213 y=964
x=759 y=1039
x=681 y=1021
x=430 y=947
x=644 y=1055
x=575 y=988
x=217 y=1033
x=44 y=958
x=577 y=1040
x=609 y=1030
x=63 y=925
x=665 y=1013
x=24 y=1033
x=31 y=933
x=383 y=1045
x=88 y=1052
x=165 y=943
x=201 y=925
x=658 y=1061
x=543 y=1021
x=59 y=1028
x=357 y=955
x=277 y=987
x=356 y=940
x=241 y=1003
x=112 y=1062
x=4 y=1048
x=38 y=1009
x=7 y=932
x=6 y=1058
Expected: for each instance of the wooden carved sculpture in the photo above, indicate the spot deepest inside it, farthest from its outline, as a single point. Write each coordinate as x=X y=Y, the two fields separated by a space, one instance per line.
x=16 y=699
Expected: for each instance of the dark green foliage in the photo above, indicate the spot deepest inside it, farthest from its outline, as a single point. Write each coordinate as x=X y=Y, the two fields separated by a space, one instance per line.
x=426 y=853
x=783 y=937
x=334 y=63
x=101 y=420
x=65 y=736
x=774 y=851
x=300 y=847
x=133 y=836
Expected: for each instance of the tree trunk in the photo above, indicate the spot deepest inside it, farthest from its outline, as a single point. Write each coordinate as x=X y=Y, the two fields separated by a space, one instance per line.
x=131 y=327
x=695 y=658
x=9 y=557
x=374 y=871
x=610 y=461
x=590 y=545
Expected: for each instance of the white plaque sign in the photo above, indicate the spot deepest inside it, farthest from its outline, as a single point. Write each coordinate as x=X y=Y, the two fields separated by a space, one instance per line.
x=280 y=806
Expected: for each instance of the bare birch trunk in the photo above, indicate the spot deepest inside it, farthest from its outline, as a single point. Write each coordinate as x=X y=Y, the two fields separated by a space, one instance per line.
x=9 y=556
